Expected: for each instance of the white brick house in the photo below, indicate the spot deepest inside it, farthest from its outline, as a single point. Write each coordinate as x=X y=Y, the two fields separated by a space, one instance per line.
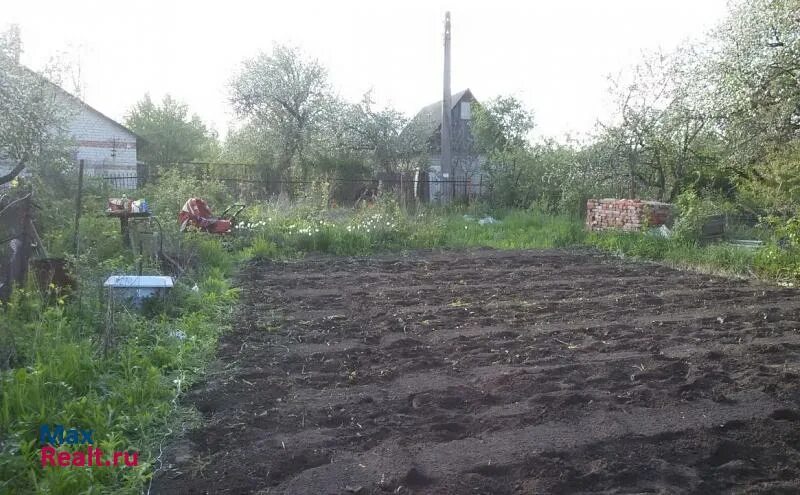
x=106 y=146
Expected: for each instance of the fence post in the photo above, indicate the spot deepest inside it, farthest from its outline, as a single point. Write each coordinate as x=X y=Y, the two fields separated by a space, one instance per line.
x=78 y=205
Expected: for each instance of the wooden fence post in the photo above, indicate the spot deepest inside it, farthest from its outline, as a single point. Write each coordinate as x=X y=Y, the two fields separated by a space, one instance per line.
x=78 y=205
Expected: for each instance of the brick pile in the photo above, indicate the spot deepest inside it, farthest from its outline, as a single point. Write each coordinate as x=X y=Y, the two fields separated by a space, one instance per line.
x=626 y=214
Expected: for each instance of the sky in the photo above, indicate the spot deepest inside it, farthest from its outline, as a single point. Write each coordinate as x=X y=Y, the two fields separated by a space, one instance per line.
x=556 y=55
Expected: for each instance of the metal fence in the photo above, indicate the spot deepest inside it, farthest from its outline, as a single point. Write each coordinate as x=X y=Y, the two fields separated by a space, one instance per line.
x=121 y=181
x=245 y=182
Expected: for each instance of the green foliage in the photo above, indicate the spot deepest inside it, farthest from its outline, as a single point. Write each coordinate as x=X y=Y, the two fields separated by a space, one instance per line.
x=62 y=376
x=693 y=212
x=501 y=125
x=263 y=249
x=781 y=259
x=778 y=263
x=387 y=227
x=724 y=258
x=33 y=114
x=167 y=195
x=631 y=244
x=53 y=367
x=774 y=185
x=285 y=98
x=168 y=134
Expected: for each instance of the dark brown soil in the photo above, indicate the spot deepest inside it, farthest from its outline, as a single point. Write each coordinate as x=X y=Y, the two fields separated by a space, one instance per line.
x=498 y=372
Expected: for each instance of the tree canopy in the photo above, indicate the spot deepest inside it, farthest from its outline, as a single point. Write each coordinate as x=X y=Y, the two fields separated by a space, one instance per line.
x=169 y=133
x=33 y=116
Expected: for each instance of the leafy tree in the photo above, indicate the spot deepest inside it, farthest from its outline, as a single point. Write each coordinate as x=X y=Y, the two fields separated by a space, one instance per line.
x=388 y=140
x=33 y=116
x=753 y=71
x=501 y=125
x=285 y=97
x=774 y=186
x=663 y=129
x=169 y=134
x=250 y=144
x=500 y=129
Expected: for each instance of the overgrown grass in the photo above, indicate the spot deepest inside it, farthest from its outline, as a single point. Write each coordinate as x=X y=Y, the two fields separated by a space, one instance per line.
x=61 y=372
x=770 y=262
x=128 y=396
x=276 y=234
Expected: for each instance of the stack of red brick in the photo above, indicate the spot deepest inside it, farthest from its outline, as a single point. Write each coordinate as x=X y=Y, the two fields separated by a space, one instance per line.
x=626 y=214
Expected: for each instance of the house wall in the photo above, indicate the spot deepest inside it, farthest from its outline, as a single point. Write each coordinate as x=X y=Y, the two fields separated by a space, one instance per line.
x=105 y=147
x=469 y=171
x=462 y=139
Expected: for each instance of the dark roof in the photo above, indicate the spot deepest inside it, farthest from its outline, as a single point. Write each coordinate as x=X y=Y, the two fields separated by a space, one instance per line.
x=430 y=116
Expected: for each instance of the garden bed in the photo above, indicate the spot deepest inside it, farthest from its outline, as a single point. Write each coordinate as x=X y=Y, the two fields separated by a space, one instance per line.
x=497 y=372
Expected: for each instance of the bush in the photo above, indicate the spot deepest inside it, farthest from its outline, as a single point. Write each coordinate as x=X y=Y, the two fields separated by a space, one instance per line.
x=693 y=212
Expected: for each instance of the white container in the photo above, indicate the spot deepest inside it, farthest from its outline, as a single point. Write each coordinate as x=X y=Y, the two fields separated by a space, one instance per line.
x=137 y=288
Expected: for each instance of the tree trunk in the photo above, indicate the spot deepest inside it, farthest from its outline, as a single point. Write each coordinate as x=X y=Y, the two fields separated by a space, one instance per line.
x=18 y=168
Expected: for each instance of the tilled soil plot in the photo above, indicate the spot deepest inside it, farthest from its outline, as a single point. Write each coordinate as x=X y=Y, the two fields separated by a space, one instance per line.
x=498 y=372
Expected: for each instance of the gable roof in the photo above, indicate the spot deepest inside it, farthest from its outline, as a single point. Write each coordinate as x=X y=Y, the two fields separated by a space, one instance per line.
x=79 y=101
x=430 y=116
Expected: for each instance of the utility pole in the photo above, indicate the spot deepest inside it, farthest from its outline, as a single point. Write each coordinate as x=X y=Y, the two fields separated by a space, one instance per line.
x=447 y=157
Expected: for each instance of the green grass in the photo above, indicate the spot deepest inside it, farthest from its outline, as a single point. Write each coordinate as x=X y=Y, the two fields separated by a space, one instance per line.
x=770 y=262
x=128 y=396
x=361 y=233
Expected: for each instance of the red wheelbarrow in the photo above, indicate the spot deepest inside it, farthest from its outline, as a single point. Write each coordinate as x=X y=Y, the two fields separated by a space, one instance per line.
x=196 y=214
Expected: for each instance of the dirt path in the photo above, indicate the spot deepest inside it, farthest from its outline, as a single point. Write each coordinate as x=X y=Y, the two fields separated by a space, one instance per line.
x=498 y=372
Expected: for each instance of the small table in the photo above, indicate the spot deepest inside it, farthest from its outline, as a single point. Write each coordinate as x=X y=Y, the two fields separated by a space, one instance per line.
x=124 y=228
